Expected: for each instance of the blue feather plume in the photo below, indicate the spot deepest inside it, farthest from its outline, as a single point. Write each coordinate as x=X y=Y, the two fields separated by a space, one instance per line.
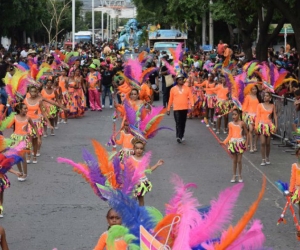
x=24 y=65
x=131 y=213
x=282 y=186
x=204 y=210
x=8 y=162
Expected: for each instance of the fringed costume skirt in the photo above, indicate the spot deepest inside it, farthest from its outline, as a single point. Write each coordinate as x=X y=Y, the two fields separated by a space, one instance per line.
x=266 y=129
x=237 y=146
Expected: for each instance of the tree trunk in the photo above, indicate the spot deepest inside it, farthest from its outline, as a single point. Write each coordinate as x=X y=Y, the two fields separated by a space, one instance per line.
x=230 y=29
x=247 y=46
x=262 y=50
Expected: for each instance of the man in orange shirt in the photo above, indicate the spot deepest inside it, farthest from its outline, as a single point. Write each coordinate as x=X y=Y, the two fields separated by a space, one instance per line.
x=220 y=49
x=180 y=97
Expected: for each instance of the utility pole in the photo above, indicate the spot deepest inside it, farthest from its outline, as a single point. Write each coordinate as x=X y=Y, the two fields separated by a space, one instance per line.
x=204 y=29
x=93 y=22
x=73 y=24
x=211 y=26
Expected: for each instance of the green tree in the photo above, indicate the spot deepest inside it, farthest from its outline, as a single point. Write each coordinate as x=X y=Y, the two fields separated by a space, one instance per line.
x=290 y=9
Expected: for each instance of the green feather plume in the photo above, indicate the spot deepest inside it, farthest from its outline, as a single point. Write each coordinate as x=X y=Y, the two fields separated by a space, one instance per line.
x=119 y=232
x=155 y=214
x=7 y=122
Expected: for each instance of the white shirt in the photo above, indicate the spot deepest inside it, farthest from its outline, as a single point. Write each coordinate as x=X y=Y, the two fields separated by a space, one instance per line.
x=24 y=53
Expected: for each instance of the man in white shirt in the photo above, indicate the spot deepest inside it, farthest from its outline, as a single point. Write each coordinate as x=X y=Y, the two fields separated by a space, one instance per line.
x=24 y=52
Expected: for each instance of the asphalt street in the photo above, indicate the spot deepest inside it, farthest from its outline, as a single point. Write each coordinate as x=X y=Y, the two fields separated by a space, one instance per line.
x=56 y=208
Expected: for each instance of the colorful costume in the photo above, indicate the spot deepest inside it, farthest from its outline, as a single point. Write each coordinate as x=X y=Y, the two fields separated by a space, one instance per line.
x=210 y=96
x=250 y=108
x=62 y=85
x=50 y=109
x=34 y=112
x=4 y=182
x=20 y=133
x=119 y=244
x=223 y=105
x=94 y=96
x=263 y=123
x=75 y=102
x=126 y=142
x=235 y=140
x=144 y=186
x=295 y=183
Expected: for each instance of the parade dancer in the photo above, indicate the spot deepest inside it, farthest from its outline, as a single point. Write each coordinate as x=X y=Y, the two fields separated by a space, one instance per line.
x=94 y=86
x=252 y=99
x=265 y=127
x=20 y=123
x=138 y=159
x=236 y=143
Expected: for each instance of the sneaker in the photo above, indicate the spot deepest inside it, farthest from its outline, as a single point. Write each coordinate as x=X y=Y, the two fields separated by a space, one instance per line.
x=214 y=129
x=53 y=134
x=207 y=125
x=22 y=179
x=34 y=161
x=45 y=136
x=268 y=162
x=103 y=106
x=218 y=132
x=178 y=140
x=241 y=179
x=56 y=127
x=225 y=131
x=110 y=106
x=28 y=161
x=182 y=139
x=1 y=211
x=37 y=154
x=263 y=163
x=64 y=122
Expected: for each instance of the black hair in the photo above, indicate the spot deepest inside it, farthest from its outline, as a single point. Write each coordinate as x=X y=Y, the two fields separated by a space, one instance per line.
x=239 y=113
x=19 y=107
x=270 y=94
x=297 y=92
x=258 y=95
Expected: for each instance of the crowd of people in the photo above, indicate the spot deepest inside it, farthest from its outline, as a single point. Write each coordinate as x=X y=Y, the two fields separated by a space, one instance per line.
x=39 y=90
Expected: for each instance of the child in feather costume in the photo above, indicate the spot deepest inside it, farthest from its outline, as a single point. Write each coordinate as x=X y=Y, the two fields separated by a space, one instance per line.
x=140 y=161
x=116 y=237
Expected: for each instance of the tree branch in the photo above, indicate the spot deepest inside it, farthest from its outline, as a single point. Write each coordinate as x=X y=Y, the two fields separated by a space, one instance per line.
x=277 y=29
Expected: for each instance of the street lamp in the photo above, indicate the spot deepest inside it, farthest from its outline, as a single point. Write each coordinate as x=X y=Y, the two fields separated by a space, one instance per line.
x=73 y=24
x=93 y=22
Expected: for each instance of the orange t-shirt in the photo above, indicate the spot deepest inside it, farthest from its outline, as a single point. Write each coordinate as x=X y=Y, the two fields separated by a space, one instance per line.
x=101 y=245
x=180 y=98
x=125 y=140
x=250 y=104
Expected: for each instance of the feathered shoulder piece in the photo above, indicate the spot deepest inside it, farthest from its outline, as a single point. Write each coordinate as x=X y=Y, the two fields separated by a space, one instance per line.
x=16 y=86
